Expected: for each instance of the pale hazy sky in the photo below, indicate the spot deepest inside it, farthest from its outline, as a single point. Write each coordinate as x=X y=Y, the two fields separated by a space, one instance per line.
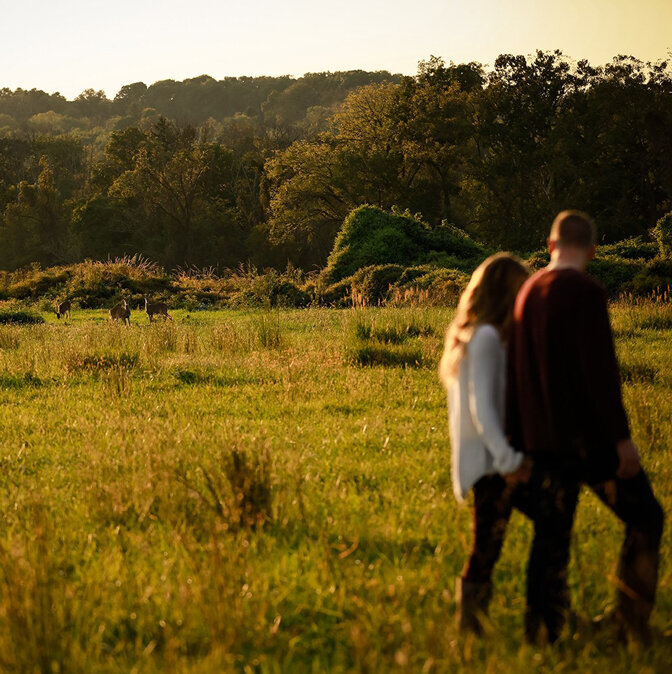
x=71 y=45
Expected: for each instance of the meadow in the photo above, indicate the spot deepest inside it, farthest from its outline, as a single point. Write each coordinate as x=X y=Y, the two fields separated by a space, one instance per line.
x=269 y=491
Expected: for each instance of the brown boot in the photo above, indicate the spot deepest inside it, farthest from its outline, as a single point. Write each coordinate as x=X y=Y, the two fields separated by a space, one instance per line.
x=632 y=615
x=472 y=604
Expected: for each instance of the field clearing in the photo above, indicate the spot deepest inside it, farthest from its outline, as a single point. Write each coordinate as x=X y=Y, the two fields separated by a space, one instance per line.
x=235 y=491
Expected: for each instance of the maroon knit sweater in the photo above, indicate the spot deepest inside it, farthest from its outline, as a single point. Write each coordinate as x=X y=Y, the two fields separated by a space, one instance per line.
x=564 y=391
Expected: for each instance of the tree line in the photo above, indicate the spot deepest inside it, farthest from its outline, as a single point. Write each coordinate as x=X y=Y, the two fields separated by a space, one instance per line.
x=206 y=172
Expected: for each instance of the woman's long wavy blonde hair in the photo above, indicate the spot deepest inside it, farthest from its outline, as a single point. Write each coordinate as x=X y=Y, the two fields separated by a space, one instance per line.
x=488 y=298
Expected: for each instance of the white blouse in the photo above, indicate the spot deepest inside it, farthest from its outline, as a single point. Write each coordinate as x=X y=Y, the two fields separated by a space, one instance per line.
x=476 y=413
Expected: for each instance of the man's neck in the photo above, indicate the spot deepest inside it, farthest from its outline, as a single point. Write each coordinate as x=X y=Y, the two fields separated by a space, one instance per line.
x=565 y=264
x=568 y=259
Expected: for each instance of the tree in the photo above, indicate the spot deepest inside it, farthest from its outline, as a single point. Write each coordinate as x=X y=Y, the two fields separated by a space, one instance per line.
x=185 y=187
x=511 y=187
x=36 y=223
x=94 y=105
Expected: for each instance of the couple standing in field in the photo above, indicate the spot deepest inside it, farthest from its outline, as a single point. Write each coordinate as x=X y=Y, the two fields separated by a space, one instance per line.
x=536 y=412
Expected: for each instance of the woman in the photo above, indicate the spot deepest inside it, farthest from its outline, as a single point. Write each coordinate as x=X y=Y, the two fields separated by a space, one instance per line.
x=473 y=370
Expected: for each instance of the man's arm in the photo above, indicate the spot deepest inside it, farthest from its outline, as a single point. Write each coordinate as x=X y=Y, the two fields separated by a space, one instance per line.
x=602 y=379
x=628 y=457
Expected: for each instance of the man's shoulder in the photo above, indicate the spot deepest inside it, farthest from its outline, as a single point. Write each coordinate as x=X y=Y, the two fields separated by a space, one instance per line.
x=565 y=279
x=559 y=291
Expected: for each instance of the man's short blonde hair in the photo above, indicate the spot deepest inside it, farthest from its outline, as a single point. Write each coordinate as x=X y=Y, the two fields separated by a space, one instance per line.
x=573 y=228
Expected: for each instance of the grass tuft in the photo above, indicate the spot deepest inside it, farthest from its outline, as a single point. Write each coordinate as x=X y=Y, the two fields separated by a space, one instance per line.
x=9 y=337
x=638 y=372
x=237 y=488
x=103 y=362
x=19 y=381
x=267 y=330
x=368 y=355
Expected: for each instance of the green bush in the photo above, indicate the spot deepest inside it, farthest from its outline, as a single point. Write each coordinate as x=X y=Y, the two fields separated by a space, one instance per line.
x=656 y=275
x=662 y=234
x=427 y=286
x=37 y=283
x=373 y=283
x=370 y=236
x=20 y=317
x=268 y=289
x=635 y=248
x=392 y=283
x=616 y=274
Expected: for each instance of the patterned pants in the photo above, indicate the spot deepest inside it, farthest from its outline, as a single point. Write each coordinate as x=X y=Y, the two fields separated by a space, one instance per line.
x=549 y=500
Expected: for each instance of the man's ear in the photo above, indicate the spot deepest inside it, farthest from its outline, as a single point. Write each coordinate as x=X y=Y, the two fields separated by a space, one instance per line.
x=551 y=246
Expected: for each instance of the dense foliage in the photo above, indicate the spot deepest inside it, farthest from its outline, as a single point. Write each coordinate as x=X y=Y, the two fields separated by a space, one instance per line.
x=370 y=236
x=210 y=172
x=378 y=258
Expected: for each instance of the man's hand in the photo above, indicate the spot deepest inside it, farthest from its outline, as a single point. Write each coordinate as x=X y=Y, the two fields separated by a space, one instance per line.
x=628 y=459
x=522 y=475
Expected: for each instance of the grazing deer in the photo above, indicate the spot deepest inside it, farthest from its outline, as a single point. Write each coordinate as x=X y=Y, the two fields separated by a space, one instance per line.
x=63 y=309
x=156 y=308
x=121 y=312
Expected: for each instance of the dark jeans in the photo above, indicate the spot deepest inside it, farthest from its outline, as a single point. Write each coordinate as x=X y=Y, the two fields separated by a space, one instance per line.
x=549 y=500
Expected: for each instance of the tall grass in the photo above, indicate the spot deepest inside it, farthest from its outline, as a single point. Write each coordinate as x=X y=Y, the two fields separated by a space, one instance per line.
x=232 y=492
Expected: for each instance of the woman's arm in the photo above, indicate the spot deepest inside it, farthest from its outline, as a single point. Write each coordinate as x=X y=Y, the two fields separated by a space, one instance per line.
x=485 y=352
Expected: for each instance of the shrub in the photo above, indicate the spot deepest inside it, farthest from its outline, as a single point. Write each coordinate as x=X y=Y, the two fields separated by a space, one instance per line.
x=20 y=317
x=653 y=277
x=370 y=236
x=336 y=295
x=37 y=283
x=431 y=287
x=635 y=248
x=616 y=274
x=397 y=285
x=269 y=289
x=538 y=259
x=662 y=234
x=373 y=283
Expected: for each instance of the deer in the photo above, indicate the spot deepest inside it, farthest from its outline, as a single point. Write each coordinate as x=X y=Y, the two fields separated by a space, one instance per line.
x=63 y=309
x=121 y=312
x=156 y=308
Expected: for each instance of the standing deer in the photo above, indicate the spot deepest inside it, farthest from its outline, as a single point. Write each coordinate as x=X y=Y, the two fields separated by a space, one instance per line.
x=63 y=309
x=121 y=312
x=156 y=308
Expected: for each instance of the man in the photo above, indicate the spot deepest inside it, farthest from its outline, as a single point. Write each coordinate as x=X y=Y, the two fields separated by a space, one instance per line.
x=564 y=408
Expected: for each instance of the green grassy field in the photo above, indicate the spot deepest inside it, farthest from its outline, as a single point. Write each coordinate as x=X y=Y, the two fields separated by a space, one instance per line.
x=236 y=491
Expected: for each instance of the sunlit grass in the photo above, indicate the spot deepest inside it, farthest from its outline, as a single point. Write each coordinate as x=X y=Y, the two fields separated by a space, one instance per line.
x=132 y=536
